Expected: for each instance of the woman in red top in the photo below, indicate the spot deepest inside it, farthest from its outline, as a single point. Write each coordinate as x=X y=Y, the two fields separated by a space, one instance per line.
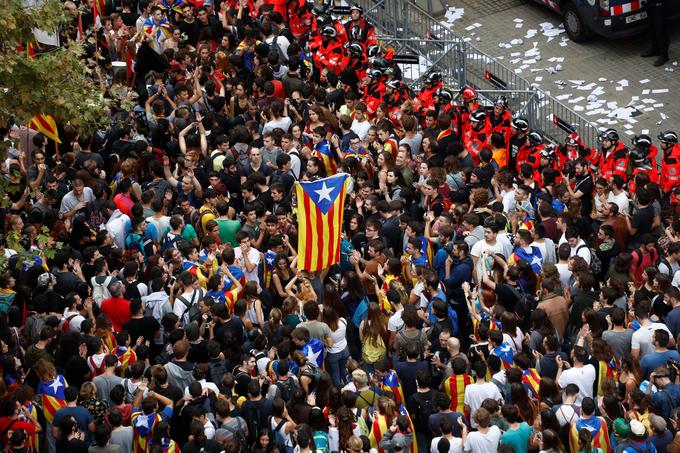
x=16 y=418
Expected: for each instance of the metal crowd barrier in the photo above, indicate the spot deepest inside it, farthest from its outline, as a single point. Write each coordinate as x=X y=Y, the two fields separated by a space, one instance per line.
x=423 y=44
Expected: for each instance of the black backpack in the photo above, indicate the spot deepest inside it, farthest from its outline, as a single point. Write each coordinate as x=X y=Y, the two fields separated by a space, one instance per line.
x=254 y=422
x=217 y=370
x=523 y=307
x=425 y=407
x=287 y=388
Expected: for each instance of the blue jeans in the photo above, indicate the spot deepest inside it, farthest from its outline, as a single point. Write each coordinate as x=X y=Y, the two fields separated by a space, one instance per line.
x=337 y=365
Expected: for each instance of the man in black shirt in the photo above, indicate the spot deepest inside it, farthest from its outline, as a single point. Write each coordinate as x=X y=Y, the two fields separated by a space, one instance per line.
x=640 y=223
x=584 y=187
x=140 y=325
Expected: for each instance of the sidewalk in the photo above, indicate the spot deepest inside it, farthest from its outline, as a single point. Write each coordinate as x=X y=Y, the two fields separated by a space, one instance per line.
x=604 y=80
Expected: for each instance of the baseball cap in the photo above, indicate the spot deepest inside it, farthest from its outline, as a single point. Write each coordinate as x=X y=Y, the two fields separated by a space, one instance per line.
x=637 y=428
x=621 y=427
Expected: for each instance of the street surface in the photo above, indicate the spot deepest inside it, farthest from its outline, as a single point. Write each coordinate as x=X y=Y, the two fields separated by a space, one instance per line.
x=606 y=81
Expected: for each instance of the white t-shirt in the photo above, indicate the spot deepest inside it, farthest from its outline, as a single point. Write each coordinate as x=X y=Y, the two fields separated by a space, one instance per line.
x=566 y=414
x=565 y=274
x=509 y=201
x=455 y=445
x=179 y=307
x=515 y=341
x=339 y=337
x=361 y=129
x=621 y=200
x=282 y=123
x=642 y=338
x=254 y=258
x=478 y=251
x=583 y=377
x=395 y=323
x=475 y=394
x=583 y=249
x=477 y=442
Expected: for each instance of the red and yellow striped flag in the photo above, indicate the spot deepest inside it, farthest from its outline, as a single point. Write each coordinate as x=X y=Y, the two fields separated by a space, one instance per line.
x=377 y=431
x=454 y=386
x=46 y=125
x=320 y=208
x=606 y=370
x=531 y=381
x=597 y=427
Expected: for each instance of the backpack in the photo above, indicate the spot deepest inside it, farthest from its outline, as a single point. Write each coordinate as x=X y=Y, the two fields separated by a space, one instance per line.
x=303 y=162
x=620 y=448
x=217 y=370
x=595 y=262
x=321 y=442
x=346 y=250
x=283 y=58
x=279 y=438
x=287 y=388
x=170 y=241
x=131 y=290
x=238 y=433
x=66 y=327
x=100 y=291
x=191 y=306
x=360 y=422
x=425 y=407
x=524 y=306
x=252 y=418
x=129 y=397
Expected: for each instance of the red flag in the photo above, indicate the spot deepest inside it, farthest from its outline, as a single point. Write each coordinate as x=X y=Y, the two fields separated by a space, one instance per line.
x=81 y=34
x=45 y=124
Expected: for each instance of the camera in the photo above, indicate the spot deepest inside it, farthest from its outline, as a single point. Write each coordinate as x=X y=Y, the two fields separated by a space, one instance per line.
x=449 y=248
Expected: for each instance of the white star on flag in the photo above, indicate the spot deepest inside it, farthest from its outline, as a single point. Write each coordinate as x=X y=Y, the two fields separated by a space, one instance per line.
x=55 y=385
x=313 y=357
x=324 y=193
x=536 y=260
x=142 y=421
x=270 y=261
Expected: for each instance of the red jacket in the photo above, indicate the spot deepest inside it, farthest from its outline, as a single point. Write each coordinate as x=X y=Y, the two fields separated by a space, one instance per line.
x=613 y=163
x=670 y=169
x=331 y=56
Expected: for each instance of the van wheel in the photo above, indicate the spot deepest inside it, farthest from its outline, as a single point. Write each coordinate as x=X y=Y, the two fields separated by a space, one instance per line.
x=574 y=24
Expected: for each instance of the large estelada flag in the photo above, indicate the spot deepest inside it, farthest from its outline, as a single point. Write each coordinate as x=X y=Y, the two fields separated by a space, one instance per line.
x=320 y=206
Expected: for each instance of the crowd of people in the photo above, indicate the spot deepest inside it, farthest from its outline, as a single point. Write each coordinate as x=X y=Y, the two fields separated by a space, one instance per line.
x=495 y=292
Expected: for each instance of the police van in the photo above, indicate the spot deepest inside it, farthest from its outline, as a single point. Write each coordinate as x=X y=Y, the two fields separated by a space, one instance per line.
x=609 y=18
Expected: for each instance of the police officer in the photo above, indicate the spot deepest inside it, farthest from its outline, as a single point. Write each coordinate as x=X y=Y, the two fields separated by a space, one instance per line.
x=658 y=31
x=670 y=163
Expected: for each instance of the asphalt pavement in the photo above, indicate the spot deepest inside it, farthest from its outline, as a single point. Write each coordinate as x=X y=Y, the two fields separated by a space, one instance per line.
x=604 y=80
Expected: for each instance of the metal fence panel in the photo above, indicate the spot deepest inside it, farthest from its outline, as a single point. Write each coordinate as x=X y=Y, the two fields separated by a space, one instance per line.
x=414 y=32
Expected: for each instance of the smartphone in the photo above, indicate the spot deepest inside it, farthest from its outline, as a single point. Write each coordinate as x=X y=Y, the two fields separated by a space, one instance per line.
x=171 y=281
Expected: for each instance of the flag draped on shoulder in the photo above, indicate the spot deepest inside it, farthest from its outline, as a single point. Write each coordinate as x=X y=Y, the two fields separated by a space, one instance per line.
x=320 y=206
x=52 y=394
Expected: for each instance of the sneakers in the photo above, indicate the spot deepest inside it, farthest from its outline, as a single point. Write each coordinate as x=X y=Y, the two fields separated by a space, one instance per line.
x=649 y=53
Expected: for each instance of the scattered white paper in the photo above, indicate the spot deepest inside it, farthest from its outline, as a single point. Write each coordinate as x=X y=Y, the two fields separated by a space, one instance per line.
x=644 y=131
x=539 y=79
x=645 y=91
x=658 y=105
x=623 y=82
x=643 y=81
x=660 y=90
x=517 y=20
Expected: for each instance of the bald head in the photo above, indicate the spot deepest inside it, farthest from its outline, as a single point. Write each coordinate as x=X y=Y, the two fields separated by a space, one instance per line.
x=453 y=345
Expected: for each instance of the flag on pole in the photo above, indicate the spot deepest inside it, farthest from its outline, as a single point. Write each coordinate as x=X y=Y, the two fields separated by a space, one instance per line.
x=46 y=125
x=320 y=208
x=323 y=151
x=81 y=32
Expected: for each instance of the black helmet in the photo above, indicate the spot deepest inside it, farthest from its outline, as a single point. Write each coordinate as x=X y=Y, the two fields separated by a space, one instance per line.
x=548 y=152
x=374 y=73
x=444 y=94
x=390 y=71
x=379 y=63
x=535 y=138
x=433 y=77
x=642 y=141
x=520 y=124
x=502 y=101
x=611 y=135
x=373 y=51
x=638 y=157
x=355 y=49
x=320 y=9
x=478 y=115
x=323 y=20
x=668 y=137
x=356 y=7
x=329 y=31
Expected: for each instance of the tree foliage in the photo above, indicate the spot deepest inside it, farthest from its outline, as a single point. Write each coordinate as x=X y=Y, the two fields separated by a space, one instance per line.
x=57 y=81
